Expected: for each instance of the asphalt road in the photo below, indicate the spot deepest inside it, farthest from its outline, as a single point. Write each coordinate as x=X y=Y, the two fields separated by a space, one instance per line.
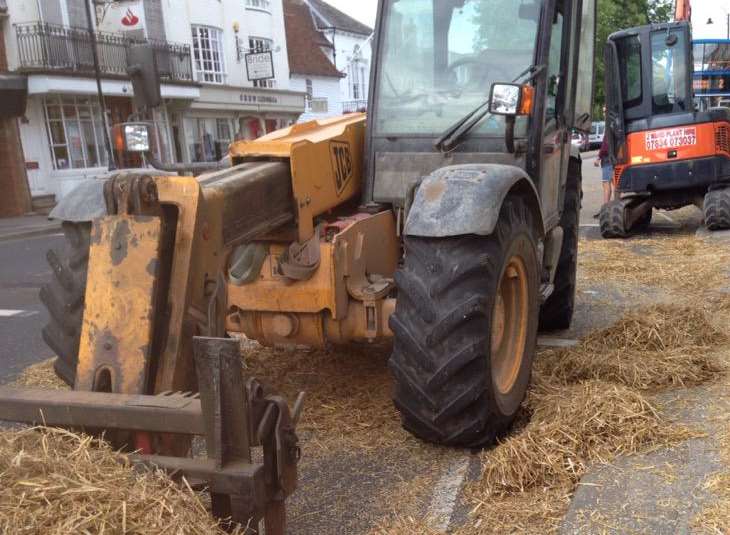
x=23 y=270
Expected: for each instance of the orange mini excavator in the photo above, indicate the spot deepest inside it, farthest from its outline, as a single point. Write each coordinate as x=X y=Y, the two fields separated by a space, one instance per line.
x=666 y=154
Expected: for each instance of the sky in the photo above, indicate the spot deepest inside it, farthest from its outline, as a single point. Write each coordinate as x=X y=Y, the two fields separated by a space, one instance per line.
x=702 y=10
x=718 y=10
x=362 y=10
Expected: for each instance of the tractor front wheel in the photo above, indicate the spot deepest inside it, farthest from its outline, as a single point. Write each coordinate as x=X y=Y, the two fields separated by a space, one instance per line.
x=465 y=327
x=63 y=296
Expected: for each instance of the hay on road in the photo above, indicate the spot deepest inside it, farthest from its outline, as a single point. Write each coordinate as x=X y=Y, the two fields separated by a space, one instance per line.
x=570 y=428
x=654 y=347
x=40 y=375
x=685 y=263
x=56 y=482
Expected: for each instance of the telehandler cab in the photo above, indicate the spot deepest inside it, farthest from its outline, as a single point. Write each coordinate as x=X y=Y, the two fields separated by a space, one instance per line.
x=448 y=221
x=666 y=154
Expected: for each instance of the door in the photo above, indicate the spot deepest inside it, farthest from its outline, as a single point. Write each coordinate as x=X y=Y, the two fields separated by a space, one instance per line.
x=120 y=111
x=556 y=138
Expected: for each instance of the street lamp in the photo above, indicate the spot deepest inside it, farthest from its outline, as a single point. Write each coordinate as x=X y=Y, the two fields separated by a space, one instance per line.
x=97 y=74
x=710 y=21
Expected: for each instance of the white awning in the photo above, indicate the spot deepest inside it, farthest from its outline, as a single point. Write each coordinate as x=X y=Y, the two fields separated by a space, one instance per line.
x=43 y=84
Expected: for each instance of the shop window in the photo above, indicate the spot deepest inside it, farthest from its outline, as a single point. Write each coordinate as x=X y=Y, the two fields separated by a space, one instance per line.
x=251 y=128
x=75 y=132
x=271 y=125
x=208 y=54
x=210 y=138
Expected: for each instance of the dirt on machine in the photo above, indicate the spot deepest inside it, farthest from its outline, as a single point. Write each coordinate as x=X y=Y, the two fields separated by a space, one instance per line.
x=666 y=154
x=447 y=221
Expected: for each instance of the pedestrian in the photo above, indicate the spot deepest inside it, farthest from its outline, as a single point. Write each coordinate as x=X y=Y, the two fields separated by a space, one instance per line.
x=604 y=161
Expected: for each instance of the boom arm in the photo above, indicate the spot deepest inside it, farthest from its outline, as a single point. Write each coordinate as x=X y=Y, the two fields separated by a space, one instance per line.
x=683 y=10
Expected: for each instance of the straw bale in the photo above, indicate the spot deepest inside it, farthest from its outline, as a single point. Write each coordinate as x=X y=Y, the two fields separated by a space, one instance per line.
x=56 y=482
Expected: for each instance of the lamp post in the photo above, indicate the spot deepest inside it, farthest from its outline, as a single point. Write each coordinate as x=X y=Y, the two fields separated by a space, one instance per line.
x=97 y=74
x=727 y=14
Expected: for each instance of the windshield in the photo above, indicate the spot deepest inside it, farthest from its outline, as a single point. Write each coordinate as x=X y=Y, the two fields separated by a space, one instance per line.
x=669 y=72
x=440 y=57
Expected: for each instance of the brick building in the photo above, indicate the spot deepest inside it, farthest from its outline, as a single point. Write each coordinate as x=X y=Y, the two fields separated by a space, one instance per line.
x=14 y=192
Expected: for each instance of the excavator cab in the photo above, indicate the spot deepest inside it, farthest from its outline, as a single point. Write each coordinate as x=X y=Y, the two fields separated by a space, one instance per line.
x=666 y=154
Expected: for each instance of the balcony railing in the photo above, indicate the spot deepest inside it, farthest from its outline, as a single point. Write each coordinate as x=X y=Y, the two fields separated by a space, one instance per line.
x=51 y=48
x=353 y=106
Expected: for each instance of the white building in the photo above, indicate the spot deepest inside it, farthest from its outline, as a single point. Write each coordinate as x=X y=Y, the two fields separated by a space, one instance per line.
x=201 y=50
x=311 y=70
x=350 y=50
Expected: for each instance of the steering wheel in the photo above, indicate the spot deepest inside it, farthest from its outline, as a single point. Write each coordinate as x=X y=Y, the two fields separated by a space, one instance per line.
x=488 y=70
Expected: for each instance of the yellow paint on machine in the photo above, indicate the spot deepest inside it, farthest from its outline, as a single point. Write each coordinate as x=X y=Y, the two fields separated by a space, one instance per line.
x=116 y=334
x=326 y=163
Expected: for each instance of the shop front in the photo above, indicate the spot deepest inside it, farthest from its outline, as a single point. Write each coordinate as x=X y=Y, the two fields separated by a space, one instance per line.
x=223 y=115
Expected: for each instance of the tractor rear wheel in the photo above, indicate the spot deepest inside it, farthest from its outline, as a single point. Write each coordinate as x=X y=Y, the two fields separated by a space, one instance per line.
x=612 y=220
x=717 y=209
x=64 y=295
x=464 y=330
x=557 y=312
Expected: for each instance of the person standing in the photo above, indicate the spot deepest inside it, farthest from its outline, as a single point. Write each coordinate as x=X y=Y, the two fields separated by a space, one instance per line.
x=604 y=161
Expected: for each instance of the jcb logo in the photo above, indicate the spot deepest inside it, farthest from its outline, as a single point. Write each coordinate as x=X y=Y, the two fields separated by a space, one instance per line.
x=341 y=164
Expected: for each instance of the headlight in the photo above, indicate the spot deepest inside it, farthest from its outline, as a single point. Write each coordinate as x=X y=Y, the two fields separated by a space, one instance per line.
x=137 y=137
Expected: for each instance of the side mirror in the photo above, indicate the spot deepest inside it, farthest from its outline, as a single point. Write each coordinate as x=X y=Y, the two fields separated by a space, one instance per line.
x=133 y=137
x=142 y=69
x=511 y=99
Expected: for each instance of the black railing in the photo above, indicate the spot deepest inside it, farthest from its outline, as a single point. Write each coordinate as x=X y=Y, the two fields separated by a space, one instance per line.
x=49 y=47
x=352 y=106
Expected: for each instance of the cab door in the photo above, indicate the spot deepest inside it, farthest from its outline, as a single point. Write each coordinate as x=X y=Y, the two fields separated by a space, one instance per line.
x=556 y=135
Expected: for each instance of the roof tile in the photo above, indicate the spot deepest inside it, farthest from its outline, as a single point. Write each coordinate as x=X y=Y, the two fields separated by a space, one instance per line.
x=304 y=43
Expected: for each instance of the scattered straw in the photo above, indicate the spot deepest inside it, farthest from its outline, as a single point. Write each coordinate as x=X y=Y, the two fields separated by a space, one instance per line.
x=685 y=263
x=570 y=428
x=56 y=482
x=653 y=347
x=40 y=375
x=348 y=405
x=404 y=525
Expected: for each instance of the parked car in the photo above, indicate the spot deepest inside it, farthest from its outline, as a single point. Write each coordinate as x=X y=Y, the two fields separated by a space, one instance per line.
x=596 y=137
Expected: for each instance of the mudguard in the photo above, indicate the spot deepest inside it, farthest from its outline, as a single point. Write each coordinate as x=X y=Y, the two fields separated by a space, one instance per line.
x=84 y=203
x=466 y=199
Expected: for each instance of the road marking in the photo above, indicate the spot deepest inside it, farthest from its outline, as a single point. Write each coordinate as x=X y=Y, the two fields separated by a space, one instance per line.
x=6 y=313
x=590 y=225
x=445 y=493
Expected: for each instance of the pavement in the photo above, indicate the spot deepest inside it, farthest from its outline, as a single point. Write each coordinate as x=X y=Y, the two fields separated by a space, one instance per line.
x=28 y=226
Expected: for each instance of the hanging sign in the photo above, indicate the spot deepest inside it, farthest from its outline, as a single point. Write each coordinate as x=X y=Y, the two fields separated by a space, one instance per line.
x=121 y=16
x=260 y=66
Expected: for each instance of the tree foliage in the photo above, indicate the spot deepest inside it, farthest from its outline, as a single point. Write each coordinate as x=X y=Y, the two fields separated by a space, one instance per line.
x=615 y=15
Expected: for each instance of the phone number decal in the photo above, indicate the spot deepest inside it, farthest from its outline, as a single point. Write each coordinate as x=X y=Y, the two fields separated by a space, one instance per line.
x=671 y=139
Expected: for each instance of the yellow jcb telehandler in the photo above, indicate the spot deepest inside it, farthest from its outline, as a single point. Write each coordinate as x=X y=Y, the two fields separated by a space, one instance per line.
x=448 y=221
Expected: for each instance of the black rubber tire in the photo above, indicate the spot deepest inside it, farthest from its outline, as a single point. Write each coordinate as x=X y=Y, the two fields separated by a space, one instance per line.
x=717 y=209
x=63 y=297
x=442 y=327
x=557 y=312
x=612 y=222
